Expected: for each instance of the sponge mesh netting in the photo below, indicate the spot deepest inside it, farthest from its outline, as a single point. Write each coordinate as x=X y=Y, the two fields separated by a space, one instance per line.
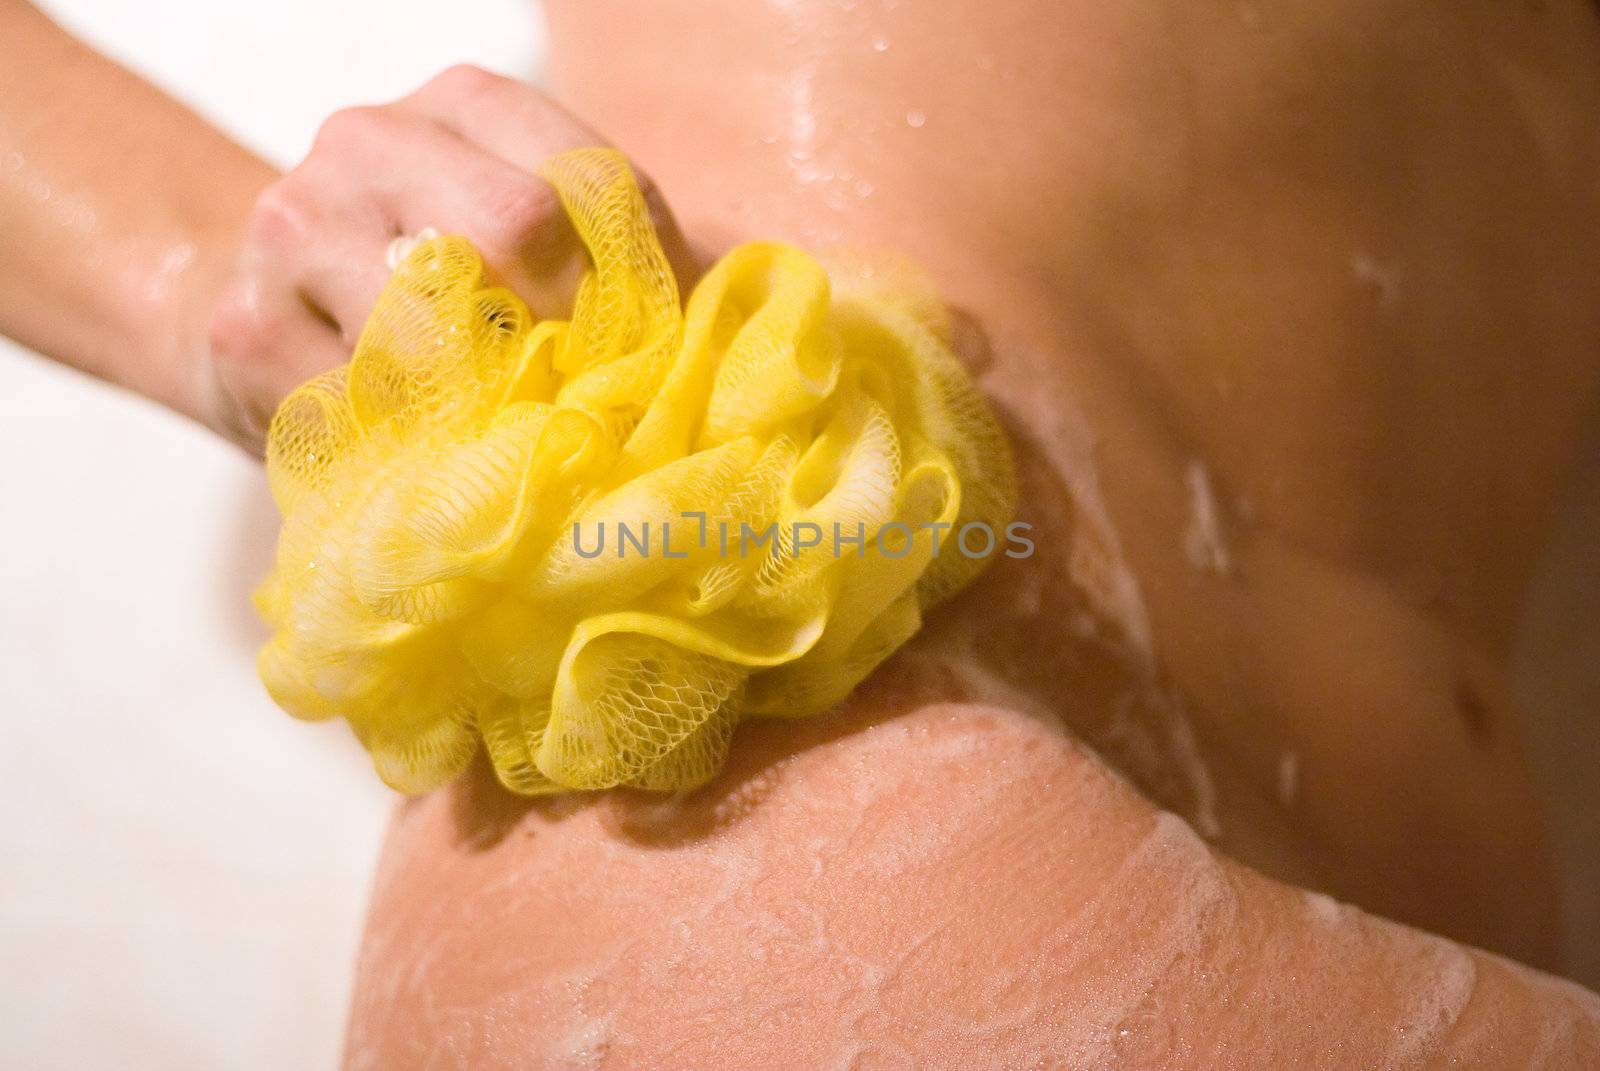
x=436 y=581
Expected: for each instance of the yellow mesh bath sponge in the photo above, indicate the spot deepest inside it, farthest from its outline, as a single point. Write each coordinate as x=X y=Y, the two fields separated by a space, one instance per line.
x=596 y=544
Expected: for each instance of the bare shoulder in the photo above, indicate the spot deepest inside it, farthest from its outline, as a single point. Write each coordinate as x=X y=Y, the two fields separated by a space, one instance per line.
x=900 y=885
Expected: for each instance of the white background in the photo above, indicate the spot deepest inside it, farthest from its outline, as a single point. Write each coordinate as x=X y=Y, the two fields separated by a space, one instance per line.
x=183 y=869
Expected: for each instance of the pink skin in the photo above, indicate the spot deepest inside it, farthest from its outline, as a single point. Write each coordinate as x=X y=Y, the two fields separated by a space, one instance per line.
x=1157 y=289
x=1336 y=260
x=459 y=155
x=901 y=885
x=1298 y=250
x=169 y=260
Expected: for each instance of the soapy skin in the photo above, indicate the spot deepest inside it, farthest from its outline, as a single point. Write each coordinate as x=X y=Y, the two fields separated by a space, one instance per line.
x=854 y=895
x=1302 y=247
x=1272 y=280
x=430 y=585
x=1293 y=315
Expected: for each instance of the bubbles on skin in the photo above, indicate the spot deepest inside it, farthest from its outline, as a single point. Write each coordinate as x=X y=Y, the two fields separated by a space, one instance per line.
x=796 y=936
x=663 y=947
x=1155 y=742
x=1148 y=731
x=1169 y=891
x=169 y=273
x=1435 y=1010
x=1323 y=908
x=1144 y=1038
x=71 y=212
x=805 y=142
x=1431 y=1005
x=547 y=1019
x=1559 y=1036
x=1383 y=279
x=1288 y=777
x=1186 y=749
x=1097 y=563
x=1016 y=1012
x=1203 y=544
x=800 y=111
x=916 y=119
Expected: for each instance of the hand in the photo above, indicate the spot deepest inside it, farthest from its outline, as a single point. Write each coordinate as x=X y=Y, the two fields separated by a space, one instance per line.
x=459 y=155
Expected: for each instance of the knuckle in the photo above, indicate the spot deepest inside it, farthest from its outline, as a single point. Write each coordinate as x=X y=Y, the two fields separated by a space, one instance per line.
x=520 y=211
x=281 y=215
x=462 y=79
x=655 y=201
x=350 y=128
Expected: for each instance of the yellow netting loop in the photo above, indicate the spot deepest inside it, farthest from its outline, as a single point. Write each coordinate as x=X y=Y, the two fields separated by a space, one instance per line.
x=437 y=581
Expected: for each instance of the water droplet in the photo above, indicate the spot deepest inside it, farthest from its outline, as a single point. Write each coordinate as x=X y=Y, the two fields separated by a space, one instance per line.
x=805 y=169
x=864 y=188
x=915 y=119
x=1145 y=1040
x=880 y=44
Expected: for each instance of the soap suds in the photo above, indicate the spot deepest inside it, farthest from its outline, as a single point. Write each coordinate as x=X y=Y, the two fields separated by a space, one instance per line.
x=1096 y=563
x=1099 y=569
x=1383 y=278
x=1323 y=908
x=1436 y=1008
x=1187 y=751
x=401 y=247
x=1202 y=542
x=1288 y=777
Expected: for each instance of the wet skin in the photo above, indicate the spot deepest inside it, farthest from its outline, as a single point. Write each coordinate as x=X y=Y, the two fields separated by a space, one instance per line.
x=1329 y=269
x=1291 y=312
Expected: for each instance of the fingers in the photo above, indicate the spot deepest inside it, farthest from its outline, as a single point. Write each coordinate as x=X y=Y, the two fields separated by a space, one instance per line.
x=317 y=243
x=420 y=174
x=264 y=343
x=525 y=128
x=374 y=174
x=507 y=118
x=460 y=156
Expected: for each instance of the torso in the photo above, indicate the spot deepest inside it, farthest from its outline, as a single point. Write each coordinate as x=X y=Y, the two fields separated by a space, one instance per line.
x=1330 y=270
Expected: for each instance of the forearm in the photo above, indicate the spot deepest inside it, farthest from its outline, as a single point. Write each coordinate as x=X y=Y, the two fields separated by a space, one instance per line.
x=120 y=208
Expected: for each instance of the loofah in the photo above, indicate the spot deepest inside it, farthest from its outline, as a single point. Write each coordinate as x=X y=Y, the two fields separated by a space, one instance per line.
x=437 y=582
